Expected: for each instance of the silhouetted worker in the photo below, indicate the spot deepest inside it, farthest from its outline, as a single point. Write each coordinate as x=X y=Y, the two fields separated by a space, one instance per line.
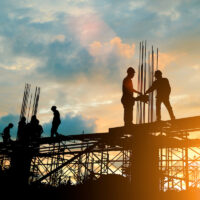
x=6 y=133
x=56 y=121
x=33 y=119
x=29 y=130
x=33 y=128
x=127 y=97
x=21 y=128
x=162 y=86
x=38 y=129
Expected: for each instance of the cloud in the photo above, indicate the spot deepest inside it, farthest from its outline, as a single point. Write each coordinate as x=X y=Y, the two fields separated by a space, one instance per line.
x=98 y=49
x=186 y=105
x=60 y=38
x=72 y=125
x=165 y=8
x=88 y=28
x=22 y=63
x=164 y=59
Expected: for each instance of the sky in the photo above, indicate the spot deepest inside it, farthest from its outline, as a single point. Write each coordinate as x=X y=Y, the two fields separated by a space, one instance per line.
x=77 y=52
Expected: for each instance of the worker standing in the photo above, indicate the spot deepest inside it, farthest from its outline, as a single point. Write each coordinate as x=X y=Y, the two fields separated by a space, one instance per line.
x=127 y=99
x=162 y=86
x=21 y=128
x=56 y=121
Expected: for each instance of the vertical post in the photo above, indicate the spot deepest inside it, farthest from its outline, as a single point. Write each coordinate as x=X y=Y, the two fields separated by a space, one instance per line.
x=186 y=167
x=144 y=169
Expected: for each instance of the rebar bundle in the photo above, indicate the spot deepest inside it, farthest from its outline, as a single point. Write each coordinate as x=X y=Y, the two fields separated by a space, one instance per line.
x=29 y=106
x=25 y=100
x=146 y=70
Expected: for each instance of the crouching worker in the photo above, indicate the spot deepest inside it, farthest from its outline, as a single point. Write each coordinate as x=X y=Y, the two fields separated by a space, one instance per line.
x=6 y=133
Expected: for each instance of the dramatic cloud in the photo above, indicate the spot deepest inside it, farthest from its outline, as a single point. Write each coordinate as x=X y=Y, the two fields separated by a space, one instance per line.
x=78 y=53
x=88 y=28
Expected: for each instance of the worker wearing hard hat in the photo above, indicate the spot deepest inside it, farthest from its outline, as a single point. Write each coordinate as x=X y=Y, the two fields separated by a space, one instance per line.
x=127 y=99
x=162 y=86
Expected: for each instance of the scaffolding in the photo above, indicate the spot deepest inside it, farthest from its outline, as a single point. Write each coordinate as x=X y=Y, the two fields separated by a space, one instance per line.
x=89 y=156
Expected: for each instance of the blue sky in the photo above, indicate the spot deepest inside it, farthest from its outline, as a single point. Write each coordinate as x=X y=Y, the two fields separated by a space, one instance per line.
x=78 y=52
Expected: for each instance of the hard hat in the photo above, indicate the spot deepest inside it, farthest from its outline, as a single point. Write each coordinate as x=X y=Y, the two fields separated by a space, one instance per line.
x=158 y=72
x=10 y=125
x=53 y=107
x=130 y=70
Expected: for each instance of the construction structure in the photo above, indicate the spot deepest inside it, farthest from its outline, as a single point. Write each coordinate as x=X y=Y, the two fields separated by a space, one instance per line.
x=144 y=153
x=154 y=156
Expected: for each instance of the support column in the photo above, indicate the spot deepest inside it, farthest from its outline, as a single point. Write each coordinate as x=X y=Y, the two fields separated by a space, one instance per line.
x=145 y=176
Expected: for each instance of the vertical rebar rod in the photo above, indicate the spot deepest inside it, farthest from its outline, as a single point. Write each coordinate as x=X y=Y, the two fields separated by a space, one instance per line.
x=35 y=107
x=22 y=107
x=141 y=81
x=34 y=101
x=152 y=101
x=157 y=60
x=29 y=108
x=149 y=83
x=138 y=104
x=144 y=80
x=25 y=100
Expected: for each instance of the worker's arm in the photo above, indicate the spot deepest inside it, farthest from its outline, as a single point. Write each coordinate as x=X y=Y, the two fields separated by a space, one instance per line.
x=127 y=83
x=151 y=89
x=137 y=91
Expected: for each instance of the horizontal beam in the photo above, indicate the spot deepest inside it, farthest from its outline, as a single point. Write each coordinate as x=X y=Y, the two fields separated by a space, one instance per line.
x=171 y=126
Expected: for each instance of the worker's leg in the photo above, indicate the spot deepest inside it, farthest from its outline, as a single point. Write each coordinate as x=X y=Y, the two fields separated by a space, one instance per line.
x=128 y=114
x=52 y=130
x=56 y=129
x=158 y=108
x=169 y=108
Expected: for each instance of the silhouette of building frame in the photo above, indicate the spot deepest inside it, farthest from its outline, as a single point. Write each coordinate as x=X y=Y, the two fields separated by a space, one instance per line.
x=87 y=156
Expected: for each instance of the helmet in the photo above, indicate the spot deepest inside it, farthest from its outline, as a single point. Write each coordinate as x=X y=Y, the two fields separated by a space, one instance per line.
x=53 y=107
x=158 y=73
x=130 y=70
x=10 y=125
